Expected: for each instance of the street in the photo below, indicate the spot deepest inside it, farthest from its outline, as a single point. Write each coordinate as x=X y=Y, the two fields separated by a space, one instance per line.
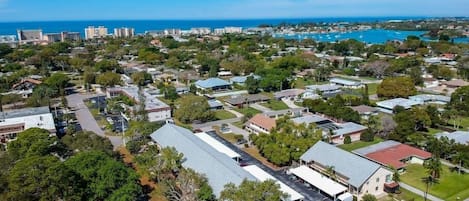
x=86 y=119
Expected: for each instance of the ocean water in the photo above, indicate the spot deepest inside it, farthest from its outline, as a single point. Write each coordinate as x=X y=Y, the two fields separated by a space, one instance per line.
x=372 y=36
x=140 y=26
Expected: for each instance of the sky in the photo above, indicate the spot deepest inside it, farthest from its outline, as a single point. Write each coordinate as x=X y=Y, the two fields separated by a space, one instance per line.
x=56 y=10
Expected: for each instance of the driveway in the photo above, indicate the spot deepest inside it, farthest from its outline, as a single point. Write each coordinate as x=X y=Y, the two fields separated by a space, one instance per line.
x=309 y=194
x=290 y=103
x=260 y=107
x=216 y=123
x=86 y=119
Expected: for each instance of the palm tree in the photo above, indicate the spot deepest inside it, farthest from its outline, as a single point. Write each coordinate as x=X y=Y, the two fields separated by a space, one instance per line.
x=460 y=158
x=430 y=180
x=433 y=165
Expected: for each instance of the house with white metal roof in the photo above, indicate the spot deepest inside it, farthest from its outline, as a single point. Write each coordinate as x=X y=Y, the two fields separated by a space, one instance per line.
x=220 y=147
x=431 y=99
x=219 y=168
x=388 y=106
x=359 y=175
x=461 y=137
x=346 y=82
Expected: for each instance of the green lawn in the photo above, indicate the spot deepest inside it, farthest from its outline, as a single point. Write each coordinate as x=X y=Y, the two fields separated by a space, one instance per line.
x=359 y=144
x=433 y=131
x=275 y=105
x=372 y=88
x=405 y=195
x=238 y=124
x=247 y=111
x=465 y=123
x=451 y=184
x=300 y=83
x=223 y=114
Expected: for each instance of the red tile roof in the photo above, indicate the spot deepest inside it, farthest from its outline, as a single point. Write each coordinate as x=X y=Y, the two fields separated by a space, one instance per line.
x=392 y=156
x=263 y=121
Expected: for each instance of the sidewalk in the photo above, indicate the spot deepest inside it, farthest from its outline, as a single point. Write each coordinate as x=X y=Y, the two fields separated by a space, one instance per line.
x=419 y=192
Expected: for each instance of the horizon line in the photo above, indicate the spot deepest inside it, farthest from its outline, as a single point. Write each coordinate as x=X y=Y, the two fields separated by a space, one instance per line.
x=231 y=19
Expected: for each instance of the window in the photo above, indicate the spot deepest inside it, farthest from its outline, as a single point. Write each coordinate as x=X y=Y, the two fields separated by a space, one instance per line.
x=376 y=188
x=388 y=178
x=377 y=180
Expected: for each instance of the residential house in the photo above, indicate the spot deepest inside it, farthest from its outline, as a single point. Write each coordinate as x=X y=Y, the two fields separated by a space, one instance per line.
x=431 y=99
x=365 y=111
x=325 y=90
x=336 y=132
x=289 y=94
x=359 y=175
x=388 y=106
x=346 y=83
x=215 y=104
x=394 y=154
x=219 y=168
x=156 y=109
x=240 y=80
x=240 y=101
x=260 y=124
x=213 y=84
x=461 y=137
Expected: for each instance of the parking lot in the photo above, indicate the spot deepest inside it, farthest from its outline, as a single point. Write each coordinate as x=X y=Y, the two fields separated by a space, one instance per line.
x=306 y=190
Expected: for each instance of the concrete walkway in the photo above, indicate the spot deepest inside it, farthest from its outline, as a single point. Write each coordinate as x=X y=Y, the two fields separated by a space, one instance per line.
x=260 y=107
x=86 y=119
x=418 y=192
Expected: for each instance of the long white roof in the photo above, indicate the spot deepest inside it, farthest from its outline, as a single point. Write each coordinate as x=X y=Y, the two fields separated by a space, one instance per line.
x=318 y=180
x=261 y=175
x=217 y=145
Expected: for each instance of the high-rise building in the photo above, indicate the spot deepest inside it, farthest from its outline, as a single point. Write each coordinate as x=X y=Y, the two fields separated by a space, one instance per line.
x=62 y=36
x=29 y=36
x=172 y=32
x=233 y=29
x=200 y=30
x=124 y=32
x=95 y=32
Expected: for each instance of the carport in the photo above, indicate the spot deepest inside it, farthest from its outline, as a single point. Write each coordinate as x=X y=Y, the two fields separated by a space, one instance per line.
x=319 y=181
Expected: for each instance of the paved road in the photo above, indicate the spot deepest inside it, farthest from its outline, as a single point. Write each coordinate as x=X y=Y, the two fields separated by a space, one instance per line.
x=240 y=131
x=418 y=192
x=447 y=163
x=215 y=123
x=86 y=119
x=260 y=107
x=309 y=194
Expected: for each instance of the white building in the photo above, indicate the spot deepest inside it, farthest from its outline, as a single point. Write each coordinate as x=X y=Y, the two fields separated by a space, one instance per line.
x=15 y=121
x=155 y=108
x=95 y=32
x=200 y=30
x=233 y=29
x=124 y=32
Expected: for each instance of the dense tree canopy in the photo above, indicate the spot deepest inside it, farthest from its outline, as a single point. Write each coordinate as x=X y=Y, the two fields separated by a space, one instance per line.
x=460 y=100
x=108 y=79
x=192 y=108
x=395 y=87
x=253 y=190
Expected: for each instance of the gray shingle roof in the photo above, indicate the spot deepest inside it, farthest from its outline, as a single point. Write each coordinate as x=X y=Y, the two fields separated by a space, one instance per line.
x=24 y=112
x=201 y=157
x=348 y=128
x=356 y=168
x=309 y=119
